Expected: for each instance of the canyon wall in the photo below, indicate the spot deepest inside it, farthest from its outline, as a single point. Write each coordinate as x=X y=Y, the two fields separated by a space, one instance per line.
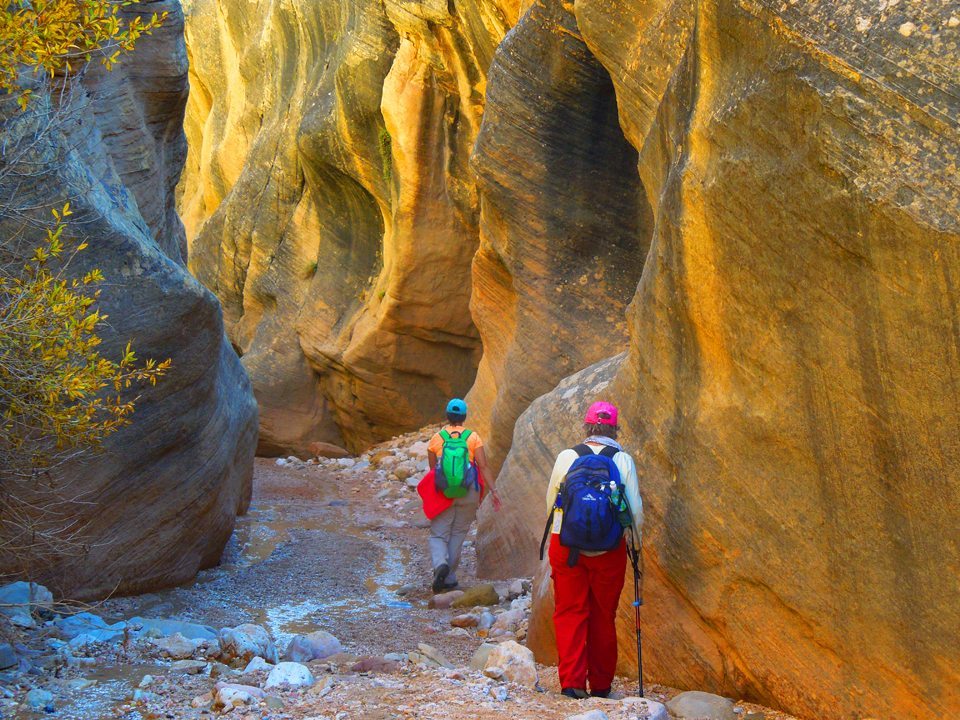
x=158 y=502
x=743 y=213
x=792 y=380
x=331 y=207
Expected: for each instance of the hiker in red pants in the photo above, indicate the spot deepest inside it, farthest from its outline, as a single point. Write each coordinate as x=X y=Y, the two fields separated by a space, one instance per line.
x=594 y=499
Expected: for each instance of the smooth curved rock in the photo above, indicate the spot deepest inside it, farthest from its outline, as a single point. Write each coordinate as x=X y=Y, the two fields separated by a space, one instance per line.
x=791 y=379
x=347 y=288
x=314 y=646
x=564 y=226
x=159 y=502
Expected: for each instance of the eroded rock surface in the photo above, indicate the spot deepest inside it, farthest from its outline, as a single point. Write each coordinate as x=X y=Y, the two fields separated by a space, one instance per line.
x=565 y=222
x=331 y=207
x=159 y=503
x=790 y=389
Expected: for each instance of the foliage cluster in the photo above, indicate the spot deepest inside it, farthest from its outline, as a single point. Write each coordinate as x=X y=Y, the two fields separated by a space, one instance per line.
x=56 y=36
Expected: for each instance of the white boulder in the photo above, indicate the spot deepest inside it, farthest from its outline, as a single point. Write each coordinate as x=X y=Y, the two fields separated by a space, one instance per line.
x=289 y=675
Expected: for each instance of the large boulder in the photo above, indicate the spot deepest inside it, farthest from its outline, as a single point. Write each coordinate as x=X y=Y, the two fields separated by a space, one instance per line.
x=789 y=388
x=159 y=502
x=347 y=290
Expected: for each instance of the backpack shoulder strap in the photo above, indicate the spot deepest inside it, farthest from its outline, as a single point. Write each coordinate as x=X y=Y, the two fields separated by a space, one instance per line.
x=583 y=450
x=444 y=435
x=465 y=434
x=609 y=452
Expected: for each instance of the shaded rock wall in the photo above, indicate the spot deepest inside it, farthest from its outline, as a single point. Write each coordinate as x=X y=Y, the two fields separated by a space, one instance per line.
x=159 y=502
x=331 y=208
x=565 y=223
x=790 y=389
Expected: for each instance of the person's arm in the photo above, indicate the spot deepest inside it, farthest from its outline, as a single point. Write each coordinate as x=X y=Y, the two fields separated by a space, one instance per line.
x=431 y=459
x=631 y=488
x=559 y=472
x=480 y=457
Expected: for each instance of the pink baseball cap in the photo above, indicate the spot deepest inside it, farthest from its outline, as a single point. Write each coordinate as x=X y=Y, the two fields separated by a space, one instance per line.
x=601 y=413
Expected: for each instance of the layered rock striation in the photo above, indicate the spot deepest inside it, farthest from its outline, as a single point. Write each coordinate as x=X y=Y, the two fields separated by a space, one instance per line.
x=331 y=208
x=159 y=501
x=790 y=386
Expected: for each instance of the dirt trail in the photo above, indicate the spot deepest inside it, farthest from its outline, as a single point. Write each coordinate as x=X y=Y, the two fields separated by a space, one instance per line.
x=325 y=547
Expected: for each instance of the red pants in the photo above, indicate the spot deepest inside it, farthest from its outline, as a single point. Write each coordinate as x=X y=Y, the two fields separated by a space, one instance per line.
x=586 y=597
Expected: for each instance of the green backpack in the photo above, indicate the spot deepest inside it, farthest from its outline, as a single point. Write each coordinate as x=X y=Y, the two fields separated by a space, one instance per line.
x=454 y=470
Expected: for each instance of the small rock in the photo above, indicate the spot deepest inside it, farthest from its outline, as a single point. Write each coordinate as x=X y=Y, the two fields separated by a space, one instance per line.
x=274 y=703
x=176 y=647
x=257 y=664
x=509 y=620
x=246 y=642
x=374 y=664
x=396 y=657
x=590 y=715
x=18 y=601
x=219 y=670
x=143 y=696
x=406 y=589
x=695 y=705
x=445 y=600
x=493 y=672
x=953 y=22
x=38 y=699
x=499 y=693
x=189 y=667
x=517 y=663
x=515 y=590
x=201 y=700
x=327 y=450
x=289 y=674
x=907 y=29
x=457 y=632
x=8 y=656
x=477 y=595
x=465 y=621
x=479 y=659
x=166 y=628
x=486 y=620
x=146 y=681
x=647 y=709
x=315 y=646
x=433 y=655
x=230 y=695
x=86 y=623
x=419 y=449
x=79 y=684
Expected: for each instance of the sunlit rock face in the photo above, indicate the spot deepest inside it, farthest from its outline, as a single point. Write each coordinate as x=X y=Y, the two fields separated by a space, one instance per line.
x=790 y=389
x=159 y=501
x=331 y=208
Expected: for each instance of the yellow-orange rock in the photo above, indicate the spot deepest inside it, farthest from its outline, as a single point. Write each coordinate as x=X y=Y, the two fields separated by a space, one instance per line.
x=791 y=386
x=330 y=205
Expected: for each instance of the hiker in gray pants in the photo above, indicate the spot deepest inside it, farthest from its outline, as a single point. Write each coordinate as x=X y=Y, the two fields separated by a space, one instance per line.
x=449 y=529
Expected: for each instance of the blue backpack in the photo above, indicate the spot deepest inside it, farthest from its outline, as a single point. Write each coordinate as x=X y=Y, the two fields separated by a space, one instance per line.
x=593 y=504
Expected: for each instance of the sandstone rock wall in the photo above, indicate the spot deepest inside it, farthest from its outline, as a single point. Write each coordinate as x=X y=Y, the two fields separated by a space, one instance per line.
x=565 y=222
x=331 y=208
x=790 y=389
x=159 y=502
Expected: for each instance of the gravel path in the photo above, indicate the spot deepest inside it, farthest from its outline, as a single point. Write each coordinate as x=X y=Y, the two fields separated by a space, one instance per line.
x=320 y=550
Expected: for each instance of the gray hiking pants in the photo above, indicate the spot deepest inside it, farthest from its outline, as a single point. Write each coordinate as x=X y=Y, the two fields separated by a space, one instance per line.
x=448 y=531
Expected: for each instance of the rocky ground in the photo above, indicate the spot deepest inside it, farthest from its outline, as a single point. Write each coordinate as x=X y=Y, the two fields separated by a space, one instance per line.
x=320 y=610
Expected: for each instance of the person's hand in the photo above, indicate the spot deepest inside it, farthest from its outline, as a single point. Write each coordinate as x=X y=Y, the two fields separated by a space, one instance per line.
x=496 y=500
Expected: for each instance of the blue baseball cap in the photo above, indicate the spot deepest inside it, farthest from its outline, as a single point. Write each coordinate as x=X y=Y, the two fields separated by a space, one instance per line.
x=457 y=407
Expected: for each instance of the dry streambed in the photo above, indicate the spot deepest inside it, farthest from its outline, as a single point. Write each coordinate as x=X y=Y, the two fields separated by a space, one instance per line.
x=319 y=609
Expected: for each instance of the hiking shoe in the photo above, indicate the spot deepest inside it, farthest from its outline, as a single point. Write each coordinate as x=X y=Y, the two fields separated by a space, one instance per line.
x=575 y=693
x=440 y=576
x=451 y=585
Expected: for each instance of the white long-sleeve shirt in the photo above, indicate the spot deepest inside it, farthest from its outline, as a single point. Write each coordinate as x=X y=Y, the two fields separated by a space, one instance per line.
x=628 y=476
